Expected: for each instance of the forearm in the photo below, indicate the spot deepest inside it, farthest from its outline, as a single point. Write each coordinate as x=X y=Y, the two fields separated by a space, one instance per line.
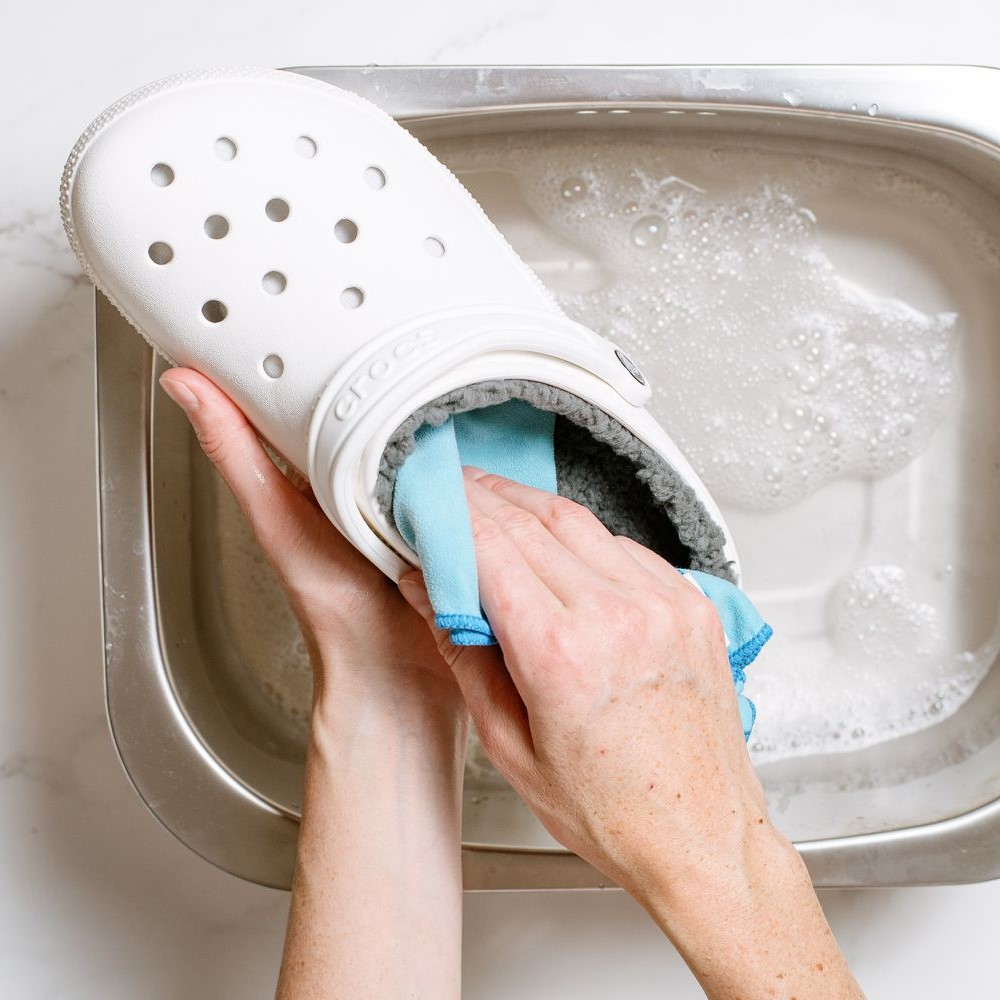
x=376 y=901
x=753 y=927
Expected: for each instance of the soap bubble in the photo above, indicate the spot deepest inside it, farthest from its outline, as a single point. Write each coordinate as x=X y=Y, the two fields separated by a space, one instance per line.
x=794 y=416
x=776 y=376
x=574 y=189
x=754 y=316
x=649 y=231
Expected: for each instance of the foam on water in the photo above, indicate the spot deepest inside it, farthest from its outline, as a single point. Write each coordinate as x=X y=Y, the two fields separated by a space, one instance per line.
x=888 y=670
x=776 y=372
x=728 y=296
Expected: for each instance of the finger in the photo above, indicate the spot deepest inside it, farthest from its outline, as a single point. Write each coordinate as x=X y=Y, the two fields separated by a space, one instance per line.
x=648 y=560
x=411 y=586
x=268 y=499
x=518 y=604
x=574 y=525
x=512 y=594
x=299 y=481
x=561 y=571
x=494 y=702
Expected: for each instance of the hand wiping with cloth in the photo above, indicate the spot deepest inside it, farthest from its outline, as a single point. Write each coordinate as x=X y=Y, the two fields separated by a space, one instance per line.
x=611 y=711
x=514 y=440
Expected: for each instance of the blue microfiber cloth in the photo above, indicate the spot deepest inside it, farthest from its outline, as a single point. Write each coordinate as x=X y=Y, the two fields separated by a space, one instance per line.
x=746 y=633
x=514 y=440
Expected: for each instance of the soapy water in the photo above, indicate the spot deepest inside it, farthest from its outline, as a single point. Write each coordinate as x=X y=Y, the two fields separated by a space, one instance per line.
x=262 y=632
x=888 y=671
x=774 y=373
x=729 y=298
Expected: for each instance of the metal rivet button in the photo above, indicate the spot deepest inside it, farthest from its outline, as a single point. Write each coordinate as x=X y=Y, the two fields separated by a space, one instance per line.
x=630 y=366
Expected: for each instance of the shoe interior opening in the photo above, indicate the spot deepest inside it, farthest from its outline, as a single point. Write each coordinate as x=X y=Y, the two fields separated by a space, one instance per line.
x=599 y=463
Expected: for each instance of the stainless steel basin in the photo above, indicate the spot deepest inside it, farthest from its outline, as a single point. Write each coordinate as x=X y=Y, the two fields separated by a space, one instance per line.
x=205 y=672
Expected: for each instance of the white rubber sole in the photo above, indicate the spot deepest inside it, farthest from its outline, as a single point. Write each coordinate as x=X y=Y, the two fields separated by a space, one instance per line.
x=292 y=242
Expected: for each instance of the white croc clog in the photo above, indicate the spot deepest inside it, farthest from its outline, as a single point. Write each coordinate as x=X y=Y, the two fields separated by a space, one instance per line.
x=296 y=245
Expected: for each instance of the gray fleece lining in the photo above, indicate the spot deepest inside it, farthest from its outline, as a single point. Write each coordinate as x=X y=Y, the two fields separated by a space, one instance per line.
x=598 y=462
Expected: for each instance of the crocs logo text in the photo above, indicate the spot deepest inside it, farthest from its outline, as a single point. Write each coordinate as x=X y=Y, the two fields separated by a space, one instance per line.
x=378 y=369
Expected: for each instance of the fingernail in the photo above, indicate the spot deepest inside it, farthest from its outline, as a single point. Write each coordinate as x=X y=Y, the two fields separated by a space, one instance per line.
x=471 y=472
x=180 y=394
x=412 y=592
x=409 y=582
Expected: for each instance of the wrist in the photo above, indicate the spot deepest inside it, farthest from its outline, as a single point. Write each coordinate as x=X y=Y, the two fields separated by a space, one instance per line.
x=755 y=927
x=727 y=886
x=402 y=722
x=348 y=681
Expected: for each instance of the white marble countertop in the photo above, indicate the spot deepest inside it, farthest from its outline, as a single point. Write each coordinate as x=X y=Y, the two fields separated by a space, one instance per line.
x=99 y=901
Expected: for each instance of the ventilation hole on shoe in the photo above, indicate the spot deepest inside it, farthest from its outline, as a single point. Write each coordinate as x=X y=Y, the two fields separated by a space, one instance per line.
x=273 y=366
x=216 y=226
x=351 y=298
x=305 y=147
x=434 y=246
x=214 y=311
x=374 y=178
x=225 y=148
x=346 y=231
x=160 y=253
x=274 y=282
x=277 y=210
x=161 y=175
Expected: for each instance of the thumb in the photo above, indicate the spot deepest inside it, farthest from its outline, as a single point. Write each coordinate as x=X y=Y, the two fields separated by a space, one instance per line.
x=494 y=703
x=264 y=493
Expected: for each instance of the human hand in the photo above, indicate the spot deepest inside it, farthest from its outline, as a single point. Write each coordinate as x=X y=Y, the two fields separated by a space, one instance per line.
x=377 y=895
x=612 y=712
x=363 y=639
x=617 y=704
